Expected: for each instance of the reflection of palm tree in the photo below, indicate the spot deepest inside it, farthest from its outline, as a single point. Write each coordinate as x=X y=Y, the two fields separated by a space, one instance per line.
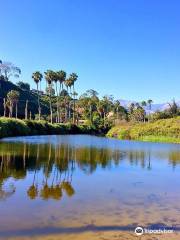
x=67 y=187
x=45 y=192
x=54 y=192
x=149 y=161
x=32 y=192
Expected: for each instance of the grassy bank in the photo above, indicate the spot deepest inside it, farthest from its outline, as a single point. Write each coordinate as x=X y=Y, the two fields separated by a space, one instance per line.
x=15 y=127
x=166 y=130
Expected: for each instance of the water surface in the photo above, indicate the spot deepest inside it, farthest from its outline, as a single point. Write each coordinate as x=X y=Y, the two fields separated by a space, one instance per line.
x=77 y=183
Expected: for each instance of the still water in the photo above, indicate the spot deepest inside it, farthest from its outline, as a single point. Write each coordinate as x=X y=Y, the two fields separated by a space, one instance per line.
x=77 y=183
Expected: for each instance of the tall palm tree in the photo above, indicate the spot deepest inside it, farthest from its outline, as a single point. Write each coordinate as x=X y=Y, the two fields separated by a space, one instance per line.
x=150 y=106
x=131 y=107
x=73 y=78
x=55 y=79
x=150 y=103
x=68 y=83
x=61 y=76
x=49 y=76
x=144 y=104
x=37 y=76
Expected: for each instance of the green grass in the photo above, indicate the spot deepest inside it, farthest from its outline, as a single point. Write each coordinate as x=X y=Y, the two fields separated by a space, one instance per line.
x=15 y=127
x=166 y=130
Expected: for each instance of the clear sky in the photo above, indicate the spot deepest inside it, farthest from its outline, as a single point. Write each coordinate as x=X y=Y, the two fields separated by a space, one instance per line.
x=128 y=48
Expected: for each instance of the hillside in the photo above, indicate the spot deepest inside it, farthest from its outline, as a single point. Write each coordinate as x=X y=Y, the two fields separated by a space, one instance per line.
x=165 y=130
x=6 y=86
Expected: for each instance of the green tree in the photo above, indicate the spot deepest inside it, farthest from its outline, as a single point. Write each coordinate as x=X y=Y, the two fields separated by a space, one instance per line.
x=49 y=76
x=144 y=104
x=173 y=109
x=138 y=115
x=37 y=76
x=149 y=102
x=12 y=100
x=61 y=76
x=73 y=78
x=131 y=108
x=23 y=86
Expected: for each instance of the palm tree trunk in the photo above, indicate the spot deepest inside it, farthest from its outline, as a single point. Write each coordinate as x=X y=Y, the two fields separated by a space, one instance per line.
x=67 y=108
x=4 y=105
x=57 y=103
x=50 y=103
x=39 y=108
x=90 y=108
x=26 y=110
x=16 y=110
x=104 y=118
x=73 y=105
x=11 y=110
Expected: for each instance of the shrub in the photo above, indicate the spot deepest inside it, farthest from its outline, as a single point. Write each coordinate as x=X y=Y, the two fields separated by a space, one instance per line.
x=165 y=129
x=13 y=127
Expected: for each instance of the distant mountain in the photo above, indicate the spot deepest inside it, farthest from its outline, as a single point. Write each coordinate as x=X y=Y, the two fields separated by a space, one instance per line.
x=154 y=107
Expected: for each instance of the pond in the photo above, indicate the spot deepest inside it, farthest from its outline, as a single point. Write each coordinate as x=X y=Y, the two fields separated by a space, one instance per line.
x=72 y=184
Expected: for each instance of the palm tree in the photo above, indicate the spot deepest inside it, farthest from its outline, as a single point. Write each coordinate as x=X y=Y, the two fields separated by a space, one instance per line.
x=61 y=76
x=55 y=79
x=68 y=83
x=37 y=76
x=12 y=99
x=131 y=108
x=73 y=78
x=117 y=106
x=150 y=103
x=144 y=104
x=150 y=106
x=49 y=76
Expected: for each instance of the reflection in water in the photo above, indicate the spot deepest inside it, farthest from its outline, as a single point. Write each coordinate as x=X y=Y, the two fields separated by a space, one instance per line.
x=76 y=183
x=53 y=165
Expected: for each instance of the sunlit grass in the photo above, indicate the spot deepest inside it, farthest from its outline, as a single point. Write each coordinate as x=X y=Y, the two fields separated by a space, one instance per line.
x=166 y=130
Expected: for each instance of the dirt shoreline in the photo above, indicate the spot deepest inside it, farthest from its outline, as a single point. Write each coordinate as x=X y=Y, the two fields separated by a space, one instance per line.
x=110 y=235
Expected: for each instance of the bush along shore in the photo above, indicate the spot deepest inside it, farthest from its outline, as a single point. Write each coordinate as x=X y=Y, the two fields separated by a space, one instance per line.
x=11 y=127
x=165 y=130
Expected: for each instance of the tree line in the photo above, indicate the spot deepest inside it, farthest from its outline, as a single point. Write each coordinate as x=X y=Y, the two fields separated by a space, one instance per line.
x=64 y=105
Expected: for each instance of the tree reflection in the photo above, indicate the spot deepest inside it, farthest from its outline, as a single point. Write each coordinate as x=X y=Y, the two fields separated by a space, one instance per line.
x=52 y=166
x=67 y=187
x=32 y=192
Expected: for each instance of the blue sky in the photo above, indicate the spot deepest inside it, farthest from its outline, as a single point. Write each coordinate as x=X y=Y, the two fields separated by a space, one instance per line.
x=130 y=49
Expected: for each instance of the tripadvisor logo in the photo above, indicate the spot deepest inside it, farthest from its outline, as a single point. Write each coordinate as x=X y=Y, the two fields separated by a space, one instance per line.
x=139 y=231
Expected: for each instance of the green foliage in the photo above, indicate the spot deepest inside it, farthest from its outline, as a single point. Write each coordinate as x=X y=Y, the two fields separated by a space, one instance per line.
x=13 y=127
x=138 y=115
x=23 y=86
x=7 y=86
x=10 y=127
x=166 y=130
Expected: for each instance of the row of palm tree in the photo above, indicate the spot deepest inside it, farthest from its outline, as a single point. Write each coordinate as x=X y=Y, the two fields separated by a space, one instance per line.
x=60 y=79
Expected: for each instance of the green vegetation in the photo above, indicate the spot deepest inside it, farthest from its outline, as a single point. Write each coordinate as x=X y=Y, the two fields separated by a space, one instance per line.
x=165 y=130
x=10 y=127
x=59 y=105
